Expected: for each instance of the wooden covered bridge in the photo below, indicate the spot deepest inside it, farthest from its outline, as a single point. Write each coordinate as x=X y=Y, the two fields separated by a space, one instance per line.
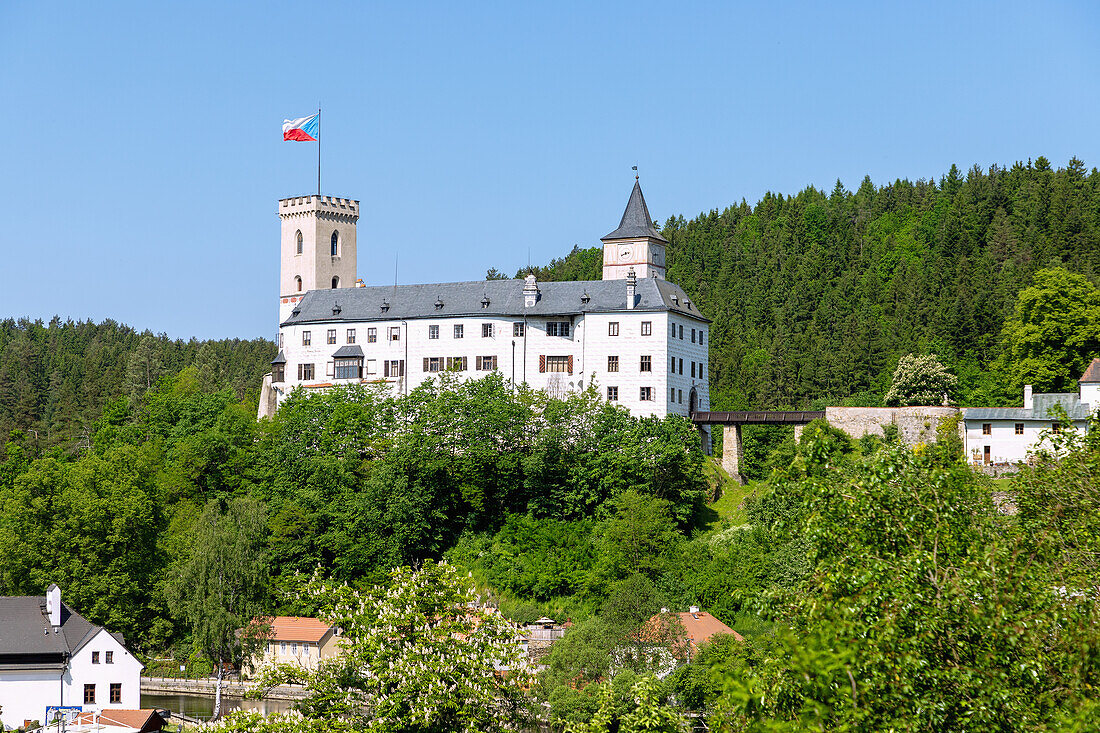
x=731 y=423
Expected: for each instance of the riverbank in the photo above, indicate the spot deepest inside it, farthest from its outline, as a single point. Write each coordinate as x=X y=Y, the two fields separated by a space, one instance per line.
x=206 y=687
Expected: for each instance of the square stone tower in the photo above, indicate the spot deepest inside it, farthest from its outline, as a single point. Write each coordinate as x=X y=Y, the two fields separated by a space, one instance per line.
x=318 y=247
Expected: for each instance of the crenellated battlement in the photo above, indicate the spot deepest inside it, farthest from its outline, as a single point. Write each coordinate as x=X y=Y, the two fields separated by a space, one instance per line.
x=298 y=205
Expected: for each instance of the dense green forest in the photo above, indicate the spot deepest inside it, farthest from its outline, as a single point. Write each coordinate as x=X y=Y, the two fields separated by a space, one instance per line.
x=56 y=378
x=816 y=296
x=877 y=587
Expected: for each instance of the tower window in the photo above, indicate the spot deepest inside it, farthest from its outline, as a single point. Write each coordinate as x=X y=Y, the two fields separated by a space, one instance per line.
x=299 y=242
x=335 y=245
x=646 y=364
x=647 y=328
x=298 y=282
x=335 y=282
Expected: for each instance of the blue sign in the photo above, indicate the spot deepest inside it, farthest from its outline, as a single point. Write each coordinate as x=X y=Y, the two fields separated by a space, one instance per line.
x=67 y=712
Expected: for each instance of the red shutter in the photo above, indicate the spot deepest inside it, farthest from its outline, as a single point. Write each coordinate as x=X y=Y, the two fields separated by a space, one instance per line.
x=570 y=363
x=542 y=363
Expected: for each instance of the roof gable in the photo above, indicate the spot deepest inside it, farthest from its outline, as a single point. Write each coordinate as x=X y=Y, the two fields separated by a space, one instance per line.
x=1092 y=373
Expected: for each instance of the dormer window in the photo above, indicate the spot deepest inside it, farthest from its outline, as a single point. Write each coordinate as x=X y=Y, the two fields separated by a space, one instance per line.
x=485 y=301
x=439 y=304
x=335 y=240
x=385 y=305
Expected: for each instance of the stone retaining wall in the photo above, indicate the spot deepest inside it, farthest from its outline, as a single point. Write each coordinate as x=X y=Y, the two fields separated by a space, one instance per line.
x=915 y=424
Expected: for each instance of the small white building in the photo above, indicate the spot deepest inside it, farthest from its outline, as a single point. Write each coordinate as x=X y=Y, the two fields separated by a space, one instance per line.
x=1005 y=435
x=634 y=334
x=51 y=656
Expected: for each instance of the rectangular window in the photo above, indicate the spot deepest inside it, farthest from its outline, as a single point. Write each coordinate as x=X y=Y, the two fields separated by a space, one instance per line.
x=681 y=333
x=647 y=328
x=672 y=395
x=680 y=397
x=517 y=329
x=612 y=363
x=330 y=369
x=349 y=368
x=458 y=331
x=395 y=368
x=1019 y=428
x=371 y=366
x=646 y=364
x=700 y=370
x=280 y=340
x=89 y=694
x=672 y=365
x=95 y=657
x=109 y=657
x=681 y=366
x=351 y=335
x=693 y=335
x=306 y=337
x=557 y=363
x=557 y=328
x=486 y=330
x=486 y=363
x=700 y=337
x=987 y=428
x=1056 y=427
x=278 y=373
x=433 y=363
x=456 y=363
x=613 y=328
x=693 y=370
x=282 y=647
x=305 y=372
x=433 y=332
x=645 y=394
x=395 y=333
x=612 y=394
x=116 y=693
x=372 y=335
x=293 y=647
x=673 y=327
x=331 y=335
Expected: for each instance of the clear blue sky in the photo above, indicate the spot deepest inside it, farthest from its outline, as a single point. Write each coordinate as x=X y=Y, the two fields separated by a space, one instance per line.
x=142 y=153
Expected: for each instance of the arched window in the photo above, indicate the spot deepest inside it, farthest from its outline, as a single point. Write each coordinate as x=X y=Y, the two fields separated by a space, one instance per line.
x=335 y=282
x=298 y=281
x=299 y=241
x=335 y=244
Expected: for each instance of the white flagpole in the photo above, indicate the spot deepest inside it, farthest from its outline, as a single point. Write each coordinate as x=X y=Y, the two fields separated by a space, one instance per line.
x=318 y=151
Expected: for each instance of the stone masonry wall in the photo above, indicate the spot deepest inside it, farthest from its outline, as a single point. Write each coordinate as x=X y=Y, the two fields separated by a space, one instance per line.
x=915 y=424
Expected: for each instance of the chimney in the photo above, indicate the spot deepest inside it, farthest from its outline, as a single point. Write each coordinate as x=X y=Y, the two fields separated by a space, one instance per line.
x=631 y=286
x=1029 y=402
x=530 y=292
x=694 y=609
x=53 y=604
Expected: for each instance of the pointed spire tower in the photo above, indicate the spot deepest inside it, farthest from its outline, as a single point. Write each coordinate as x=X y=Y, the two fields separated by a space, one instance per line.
x=636 y=244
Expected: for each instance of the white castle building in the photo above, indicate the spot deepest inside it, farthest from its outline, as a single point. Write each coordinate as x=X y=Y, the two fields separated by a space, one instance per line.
x=636 y=335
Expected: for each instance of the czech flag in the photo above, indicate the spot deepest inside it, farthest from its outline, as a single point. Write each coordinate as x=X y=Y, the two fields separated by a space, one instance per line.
x=303 y=129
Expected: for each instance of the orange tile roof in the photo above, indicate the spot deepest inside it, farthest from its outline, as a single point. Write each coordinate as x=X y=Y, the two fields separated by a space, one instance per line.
x=702 y=627
x=142 y=720
x=297 y=628
x=1092 y=374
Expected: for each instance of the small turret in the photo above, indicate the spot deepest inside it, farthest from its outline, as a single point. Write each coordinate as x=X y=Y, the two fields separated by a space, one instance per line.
x=631 y=288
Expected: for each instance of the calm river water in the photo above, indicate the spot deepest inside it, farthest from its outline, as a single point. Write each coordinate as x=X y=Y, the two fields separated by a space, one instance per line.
x=202 y=706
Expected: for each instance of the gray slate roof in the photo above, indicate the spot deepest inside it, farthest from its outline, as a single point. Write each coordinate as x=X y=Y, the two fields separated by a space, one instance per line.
x=280 y=358
x=505 y=299
x=1042 y=409
x=636 y=221
x=26 y=637
x=350 y=351
x=26 y=631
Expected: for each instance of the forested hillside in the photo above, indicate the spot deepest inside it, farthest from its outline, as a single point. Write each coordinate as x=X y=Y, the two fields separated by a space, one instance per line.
x=816 y=296
x=56 y=378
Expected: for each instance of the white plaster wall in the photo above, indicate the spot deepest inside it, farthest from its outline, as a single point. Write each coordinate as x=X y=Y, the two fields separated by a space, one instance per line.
x=124 y=669
x=697 y=352
x=589 y=343
x=1004 y=444
x=316 y=218
x=25 y=696
x=645 y=256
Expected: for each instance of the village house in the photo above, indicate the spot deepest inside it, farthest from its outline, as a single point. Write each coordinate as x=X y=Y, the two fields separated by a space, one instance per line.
x=297 y=640
x=116 y=721
x=1005 y=435
x=51 y=656
x=668 y=640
